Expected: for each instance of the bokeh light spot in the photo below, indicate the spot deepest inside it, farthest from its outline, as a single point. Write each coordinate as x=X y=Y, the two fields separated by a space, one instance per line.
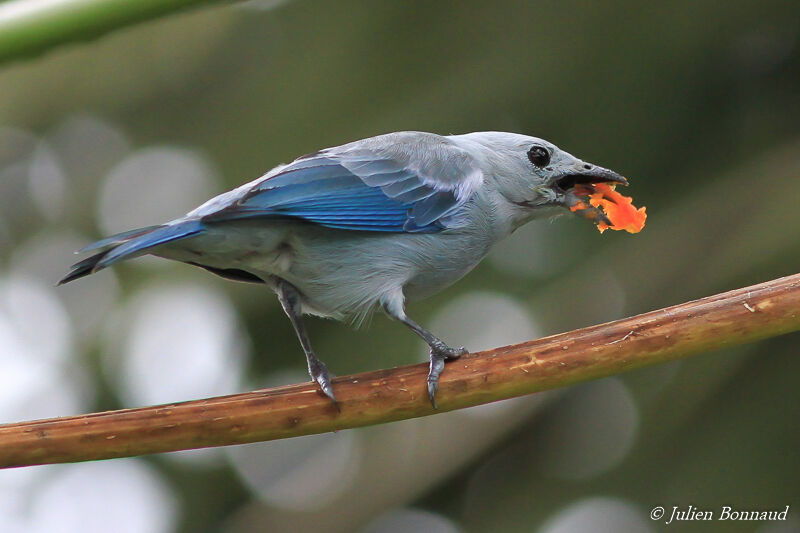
x=590 y=432
x=154 y=185
x=598 y=515
x=178 y=342
x=124 y=496
x=299 y=474
x=404 y=520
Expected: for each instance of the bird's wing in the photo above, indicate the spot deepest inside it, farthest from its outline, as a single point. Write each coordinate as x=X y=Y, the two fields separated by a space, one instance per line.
x=401 y=182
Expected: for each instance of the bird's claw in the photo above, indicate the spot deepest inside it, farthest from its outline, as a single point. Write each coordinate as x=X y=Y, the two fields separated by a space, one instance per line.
x=440 y=354
x=319 y=373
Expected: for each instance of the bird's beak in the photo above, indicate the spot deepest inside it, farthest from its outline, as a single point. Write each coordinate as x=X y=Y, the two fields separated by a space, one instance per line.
x=586 y=174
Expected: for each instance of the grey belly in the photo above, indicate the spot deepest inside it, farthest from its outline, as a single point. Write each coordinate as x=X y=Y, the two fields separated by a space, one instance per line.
x=339 y=273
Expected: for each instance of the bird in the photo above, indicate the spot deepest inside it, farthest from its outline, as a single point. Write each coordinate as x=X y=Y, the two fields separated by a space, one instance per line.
x=368 y=225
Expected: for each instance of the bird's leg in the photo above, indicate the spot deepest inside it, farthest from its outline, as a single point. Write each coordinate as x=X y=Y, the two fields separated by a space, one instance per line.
x=290 y=300
x=440 y=352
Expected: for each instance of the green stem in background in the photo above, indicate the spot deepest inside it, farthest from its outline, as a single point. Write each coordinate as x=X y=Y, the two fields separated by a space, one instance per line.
x=728 y=319
x=29 y=27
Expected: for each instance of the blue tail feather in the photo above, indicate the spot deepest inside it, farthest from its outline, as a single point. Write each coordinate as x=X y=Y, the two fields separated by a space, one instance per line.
x=125 y=245
x=117 y=238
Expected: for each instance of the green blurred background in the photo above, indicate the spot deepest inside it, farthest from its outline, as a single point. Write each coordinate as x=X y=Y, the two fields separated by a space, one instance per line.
x=697 y=103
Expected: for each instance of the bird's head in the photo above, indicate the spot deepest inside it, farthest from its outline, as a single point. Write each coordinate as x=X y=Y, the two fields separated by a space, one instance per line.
x=536 y=177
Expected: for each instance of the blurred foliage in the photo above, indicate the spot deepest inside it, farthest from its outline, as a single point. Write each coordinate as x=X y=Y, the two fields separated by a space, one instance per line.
x=696 y=103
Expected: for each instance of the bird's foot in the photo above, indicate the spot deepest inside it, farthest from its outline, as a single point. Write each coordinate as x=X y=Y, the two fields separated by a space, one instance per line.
x=439 y=354
x=319 y=373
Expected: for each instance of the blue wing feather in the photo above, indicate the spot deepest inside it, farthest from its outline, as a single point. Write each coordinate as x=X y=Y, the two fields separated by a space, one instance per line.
x=368 y=195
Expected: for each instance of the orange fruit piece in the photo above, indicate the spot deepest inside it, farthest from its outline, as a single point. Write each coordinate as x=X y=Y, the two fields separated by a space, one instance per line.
x=619 y=209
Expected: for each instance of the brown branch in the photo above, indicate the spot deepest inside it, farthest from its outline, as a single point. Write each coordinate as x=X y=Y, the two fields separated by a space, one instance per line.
x=736 y=317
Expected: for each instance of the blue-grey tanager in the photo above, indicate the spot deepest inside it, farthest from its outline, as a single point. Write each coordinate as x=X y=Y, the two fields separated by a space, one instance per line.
x=339 y=232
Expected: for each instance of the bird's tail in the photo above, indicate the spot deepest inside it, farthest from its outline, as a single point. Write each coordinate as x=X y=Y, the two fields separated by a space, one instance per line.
x=130 y=244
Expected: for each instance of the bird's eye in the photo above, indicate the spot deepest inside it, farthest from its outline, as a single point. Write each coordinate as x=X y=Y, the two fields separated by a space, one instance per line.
x=539 y=156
